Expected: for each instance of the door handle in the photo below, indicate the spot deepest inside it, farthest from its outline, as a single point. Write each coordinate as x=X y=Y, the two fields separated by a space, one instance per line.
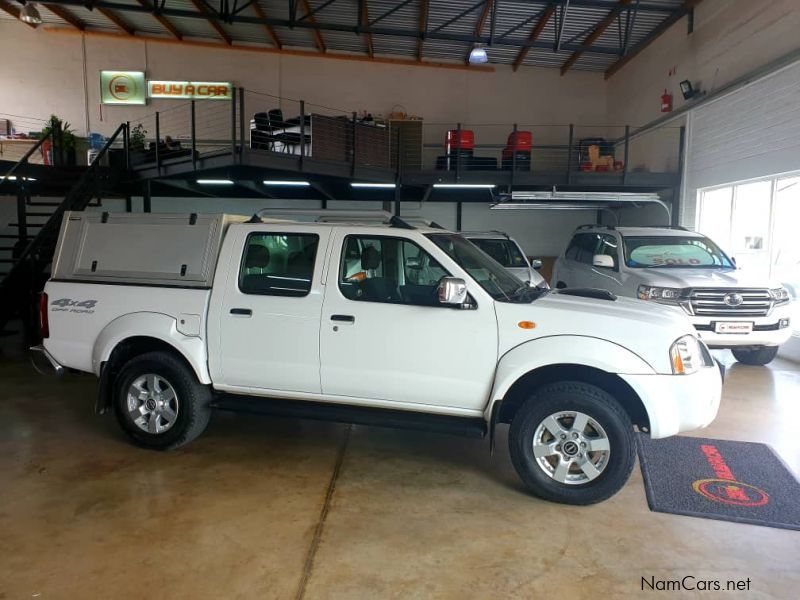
x=242 y=311
x=345 y=318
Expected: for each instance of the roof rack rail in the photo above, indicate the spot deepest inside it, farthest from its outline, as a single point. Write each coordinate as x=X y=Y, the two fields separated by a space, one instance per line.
x=676 y=227
x=337 y=216
x=495 y=231
x=595 y=226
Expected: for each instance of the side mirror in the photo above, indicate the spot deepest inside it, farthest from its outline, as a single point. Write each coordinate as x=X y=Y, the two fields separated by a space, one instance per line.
x=452 y=291
x=413 y=262
x=733 y=260
x=603 y=261
x=536 y=263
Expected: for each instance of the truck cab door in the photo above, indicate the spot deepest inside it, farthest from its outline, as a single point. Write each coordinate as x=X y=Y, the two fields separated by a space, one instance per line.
x=265 y=309
x=385 y=337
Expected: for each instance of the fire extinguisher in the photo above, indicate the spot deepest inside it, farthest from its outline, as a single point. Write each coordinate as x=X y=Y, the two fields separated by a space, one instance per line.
x=666 y=102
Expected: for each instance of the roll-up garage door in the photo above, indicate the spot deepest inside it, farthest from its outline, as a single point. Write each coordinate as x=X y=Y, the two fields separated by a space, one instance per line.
x=750 y=133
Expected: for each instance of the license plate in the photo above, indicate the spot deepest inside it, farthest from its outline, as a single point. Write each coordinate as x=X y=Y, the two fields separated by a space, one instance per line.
x=733 y=327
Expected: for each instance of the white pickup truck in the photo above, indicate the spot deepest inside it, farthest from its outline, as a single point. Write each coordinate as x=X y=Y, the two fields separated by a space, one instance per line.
x=375 y=324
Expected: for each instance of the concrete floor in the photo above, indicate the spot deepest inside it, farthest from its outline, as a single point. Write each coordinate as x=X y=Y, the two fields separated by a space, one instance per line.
x=278 y=508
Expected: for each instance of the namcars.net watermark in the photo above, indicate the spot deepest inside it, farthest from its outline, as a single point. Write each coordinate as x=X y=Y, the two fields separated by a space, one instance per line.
x=690 y=583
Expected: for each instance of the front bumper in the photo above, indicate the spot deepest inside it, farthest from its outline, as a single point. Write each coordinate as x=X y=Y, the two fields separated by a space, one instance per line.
x=767 y=331
x=44 y=362
x=678 y=403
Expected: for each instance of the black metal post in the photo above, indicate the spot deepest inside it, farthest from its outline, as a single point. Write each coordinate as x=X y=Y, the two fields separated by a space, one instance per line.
x=158 y=143
x=241 y=123
x=625 y=154
x=55 y=143
x=458 y=150
x=128 y=204
x=22 y=217
x=147 y=198
x=353 y=141
x=676 y=192
x=513 y=157
x=397 y=196
x=194 y=136
x=458 y=216
x=302 y=133
x=569 y=151
x=233 y=124
x=127 y=138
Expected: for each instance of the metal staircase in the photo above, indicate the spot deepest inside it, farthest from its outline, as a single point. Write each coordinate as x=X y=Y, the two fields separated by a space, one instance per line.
x=25 y=271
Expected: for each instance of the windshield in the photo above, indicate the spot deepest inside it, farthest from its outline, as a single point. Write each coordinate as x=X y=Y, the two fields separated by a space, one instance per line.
x=487 y=272
x=674 y=251
x=503 y=251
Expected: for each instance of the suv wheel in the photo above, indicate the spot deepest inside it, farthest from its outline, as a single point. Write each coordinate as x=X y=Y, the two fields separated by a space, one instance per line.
x=755 y=356
x=571 y=442
x=159 y=403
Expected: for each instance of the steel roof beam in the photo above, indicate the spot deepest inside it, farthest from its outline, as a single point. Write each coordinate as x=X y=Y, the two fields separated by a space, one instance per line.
x=63 y=14
x=117 y=20
x=309 y=19
x=363 y=20
x=323 y=26
x=546 y=14
x=273 y=36
x=146 y=6
x=423 y=27
x=215 y=24
x=596 y=33
x=685 y=8
x=391 y=11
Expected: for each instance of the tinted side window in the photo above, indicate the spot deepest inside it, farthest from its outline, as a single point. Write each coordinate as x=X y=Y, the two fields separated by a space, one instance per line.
x=392 y=270
x=607 y=244
x=278 y=264
x=582 y=247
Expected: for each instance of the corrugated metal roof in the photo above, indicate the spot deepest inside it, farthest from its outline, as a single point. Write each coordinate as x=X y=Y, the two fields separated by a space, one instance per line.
x=513 y=22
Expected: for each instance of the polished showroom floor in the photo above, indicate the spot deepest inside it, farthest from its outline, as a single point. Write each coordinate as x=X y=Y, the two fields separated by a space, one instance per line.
x=262 y=507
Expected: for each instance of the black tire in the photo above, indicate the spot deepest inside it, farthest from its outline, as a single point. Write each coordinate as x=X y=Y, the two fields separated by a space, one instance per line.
x=597 y=405
x=755 y=356
x=192 y=398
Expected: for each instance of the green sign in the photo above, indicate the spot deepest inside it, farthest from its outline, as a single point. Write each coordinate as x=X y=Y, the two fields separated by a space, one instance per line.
x=122 y=87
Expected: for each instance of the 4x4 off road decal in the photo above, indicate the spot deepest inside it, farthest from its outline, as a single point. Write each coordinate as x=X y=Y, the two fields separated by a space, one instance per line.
x=725 y=488
x=74 y=306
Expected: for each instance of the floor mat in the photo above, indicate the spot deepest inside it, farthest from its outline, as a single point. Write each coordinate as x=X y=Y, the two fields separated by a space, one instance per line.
x=744 y=482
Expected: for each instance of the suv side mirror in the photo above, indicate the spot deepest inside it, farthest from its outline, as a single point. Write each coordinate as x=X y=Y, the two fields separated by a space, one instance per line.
x=452 y=291
x=536 y=263
x=603 y=261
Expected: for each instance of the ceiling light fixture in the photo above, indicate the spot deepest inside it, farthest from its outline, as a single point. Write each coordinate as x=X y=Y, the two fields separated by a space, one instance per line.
x=287 y=183
x=464 y=186
x=478 y=55
x=29 y=14
x=215 y=182
x=385 y=186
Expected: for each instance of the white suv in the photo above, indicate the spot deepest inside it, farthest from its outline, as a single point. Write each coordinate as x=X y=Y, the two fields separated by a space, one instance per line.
x=505 y=250
x=675 y=266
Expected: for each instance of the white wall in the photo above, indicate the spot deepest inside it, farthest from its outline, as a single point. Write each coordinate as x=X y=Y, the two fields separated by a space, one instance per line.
x=45 y=73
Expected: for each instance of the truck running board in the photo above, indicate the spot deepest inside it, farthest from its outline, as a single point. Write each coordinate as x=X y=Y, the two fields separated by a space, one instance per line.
x=346 y=413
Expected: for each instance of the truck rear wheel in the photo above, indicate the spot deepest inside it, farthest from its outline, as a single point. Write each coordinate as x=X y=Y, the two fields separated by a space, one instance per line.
x=571 y=442
x=159 y=403
x=756 y=356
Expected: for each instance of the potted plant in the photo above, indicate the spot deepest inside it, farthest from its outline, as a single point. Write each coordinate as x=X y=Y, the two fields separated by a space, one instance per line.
x=68 y=139
x=137 y=143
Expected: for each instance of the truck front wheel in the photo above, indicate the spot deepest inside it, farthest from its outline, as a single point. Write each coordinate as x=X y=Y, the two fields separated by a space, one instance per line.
x=755 y=356
x=572 y=442
x=159 y=403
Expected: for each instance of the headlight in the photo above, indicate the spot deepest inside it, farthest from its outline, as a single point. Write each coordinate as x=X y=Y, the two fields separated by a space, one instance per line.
x=780 y=295
x=685 y=355
x=659 y=294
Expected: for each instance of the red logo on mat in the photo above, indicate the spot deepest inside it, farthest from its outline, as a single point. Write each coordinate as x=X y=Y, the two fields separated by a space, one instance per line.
x=725 y=488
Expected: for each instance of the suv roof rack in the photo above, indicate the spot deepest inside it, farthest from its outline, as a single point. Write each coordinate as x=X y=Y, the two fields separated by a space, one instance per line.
x=337 y=216
x=595 y=226
x=676 y=227
x=496 y=231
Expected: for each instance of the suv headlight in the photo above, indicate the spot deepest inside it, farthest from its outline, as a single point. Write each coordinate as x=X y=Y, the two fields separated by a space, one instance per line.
x=686 y=356
x=659 y=294
x=780 y=295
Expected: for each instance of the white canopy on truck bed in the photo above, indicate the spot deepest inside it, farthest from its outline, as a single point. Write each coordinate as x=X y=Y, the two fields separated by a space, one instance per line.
x=141 y=248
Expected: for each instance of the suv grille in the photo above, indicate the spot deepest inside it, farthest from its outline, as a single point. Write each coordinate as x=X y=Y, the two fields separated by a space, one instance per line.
x=730 y=302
